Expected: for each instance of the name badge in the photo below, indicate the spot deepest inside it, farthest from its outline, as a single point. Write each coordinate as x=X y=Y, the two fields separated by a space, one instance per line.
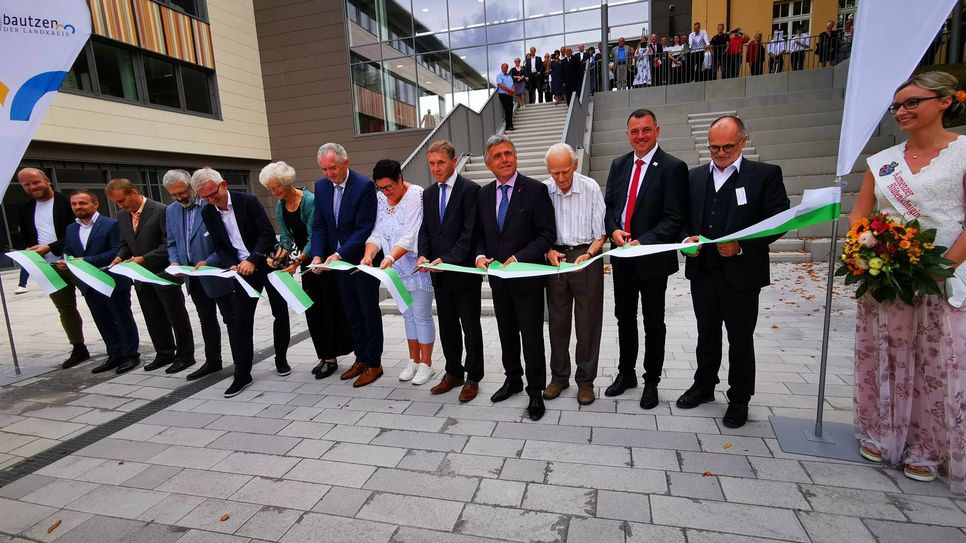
x=740 y=195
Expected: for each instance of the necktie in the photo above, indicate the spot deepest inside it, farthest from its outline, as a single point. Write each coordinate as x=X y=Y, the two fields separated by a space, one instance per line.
x=442 y=202
x=135 y=219
x=504 y=204
x=632 y=195
x=338 y=203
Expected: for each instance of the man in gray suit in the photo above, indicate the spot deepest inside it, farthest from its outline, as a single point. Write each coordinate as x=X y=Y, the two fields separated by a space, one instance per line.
x=144 y=241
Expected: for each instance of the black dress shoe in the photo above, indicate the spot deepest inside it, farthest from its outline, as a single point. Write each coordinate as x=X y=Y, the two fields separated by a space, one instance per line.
x=736 y=416
x=205 y=369
x=649 y=397
x=282 y=368
x=179 y=366
x=326 y=369
x=694 y=397
x=621 y=383
x=508 y=389
x=237 y=386
x=77 y=355
x=128 y=364
x=536 y=408
x=108 y=365
x=158 y=362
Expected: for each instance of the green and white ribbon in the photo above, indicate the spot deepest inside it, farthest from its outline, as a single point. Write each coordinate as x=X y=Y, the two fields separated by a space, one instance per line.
x=388 y=277
x=87 y=273
x=39 y=269
x=250 y=290
x=137 y=272
x=203 y=271
x=817 y=206
x=286 y=285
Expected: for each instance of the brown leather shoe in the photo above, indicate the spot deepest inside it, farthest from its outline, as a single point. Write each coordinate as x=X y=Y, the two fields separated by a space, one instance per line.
x=355 y=370
x=368 y=376
x=553 y=390
x=446 y=384
x=469 y=391
x=585 y=394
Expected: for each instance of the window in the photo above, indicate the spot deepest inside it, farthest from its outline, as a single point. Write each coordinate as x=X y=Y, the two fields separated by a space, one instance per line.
x=115 y=71
x=846 y=12
x=161 y=82
x=197 y=92
x=79 y=76
x=787 y=16
x=195 y=8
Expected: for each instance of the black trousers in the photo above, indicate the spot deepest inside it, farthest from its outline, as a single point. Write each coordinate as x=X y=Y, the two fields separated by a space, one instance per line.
x=776 y=64
x=519 y=319
x=114 y=319
x=328 y=326
x=208 y=319
x=756 y=67
x=696 y=62
x=458 y=314
x=534 y=89
x=716 y=302
x=506 y=101
x=164 y=312
x=360 y=297
x=629 y=287
x=798 y=60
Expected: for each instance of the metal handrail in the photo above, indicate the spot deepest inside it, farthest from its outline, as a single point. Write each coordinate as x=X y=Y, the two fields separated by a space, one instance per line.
x=576 y=122
x=466 y=129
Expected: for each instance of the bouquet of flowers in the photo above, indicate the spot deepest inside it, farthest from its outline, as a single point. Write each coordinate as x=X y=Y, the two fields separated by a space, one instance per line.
x=892 y=260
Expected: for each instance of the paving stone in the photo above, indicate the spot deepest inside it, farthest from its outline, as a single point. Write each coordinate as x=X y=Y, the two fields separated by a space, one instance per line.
x=310 y=448
x=319 y=528
x=375 y=391
x=403 y=422
x=825 y=528
x=204 y=483
x=156 y=533
x=560 y=499
x=200 y=536
x=220 y=407
x=97 y=417
x=567 y=434
x=512 y=524
x=425 y=409
x=24 y=485
x=251 y=425
x=849 y=475
x=281 y=493
x=341 y=501
x=328 y=472
x=375 y=404
x=769 y=493
x=407 y=534
x=18 y=516
x=651 y=439
x=189 y=457
x=412 y=511
x=66 y=521
x=695 y=485
x=270 y=523
x=778 y=469
x=623 y=506
x=716 y=463
x=10 y=442
x=208 y=515
x=599 y=531
x=931 y=510
x=470 y=465
x=752 y=428
x=238 y=441
x=421 y=440
x=847 y=501
x=98 y=401
x=741 y=519
x=421 y=460
x=496 y=492
x=608 y=420
x=70 y=467
x=191 y=437
x=119 y=449
x=265 y=465
x=647 y=533
x=113 y=472
x=352 y=434
x=100 y=529
x=521 y=469
x=736 y=445
x=59 y=492
x=481 y=412
x=152 y=477
x=668 y=423
x=605 y=477
x=275 y=411
x=303 y=413
x=338 y=416
x=662 y=459
x=705 y=536
x=171 y=509
x=494 y=446
x=306 y=429
x=901 y=532
x=117 y=501
x=365 y=454
x=423 y=484
x=467 y=427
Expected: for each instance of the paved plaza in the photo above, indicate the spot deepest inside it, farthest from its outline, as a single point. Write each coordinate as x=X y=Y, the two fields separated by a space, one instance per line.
x=296 y=459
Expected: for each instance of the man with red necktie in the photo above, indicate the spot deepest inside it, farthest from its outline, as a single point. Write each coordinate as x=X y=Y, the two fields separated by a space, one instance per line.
x=646 y=203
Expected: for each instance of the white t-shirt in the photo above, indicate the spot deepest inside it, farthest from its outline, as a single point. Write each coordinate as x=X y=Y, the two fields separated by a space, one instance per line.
x=44 y=222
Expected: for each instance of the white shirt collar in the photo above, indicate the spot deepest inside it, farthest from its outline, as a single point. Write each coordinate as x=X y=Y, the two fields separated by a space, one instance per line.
x=648 y=157
x=736 y=164
x=552 y=187
x=229 y=210
x=94 y=218
x=451 y=182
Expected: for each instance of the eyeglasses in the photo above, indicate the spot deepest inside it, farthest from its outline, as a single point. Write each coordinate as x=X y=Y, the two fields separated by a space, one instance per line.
x=910 y=104
x=727 y=149
x=386 y=188
x=210 y=195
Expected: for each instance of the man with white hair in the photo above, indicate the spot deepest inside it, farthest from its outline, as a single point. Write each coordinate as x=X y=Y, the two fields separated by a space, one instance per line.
x=243 y=237
x=189 y=243
x=578 y=206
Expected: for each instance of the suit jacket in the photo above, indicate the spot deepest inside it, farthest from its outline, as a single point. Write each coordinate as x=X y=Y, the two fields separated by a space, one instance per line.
x=151 y=238
x=660 y=211
x=256 y=232
x=533 y=75
x=357 y=218
x=101 y=248
x=529 y=228
x=765 y=193
x=453 y=240
x=200 y=244
x=573 y=71
x=63 y=216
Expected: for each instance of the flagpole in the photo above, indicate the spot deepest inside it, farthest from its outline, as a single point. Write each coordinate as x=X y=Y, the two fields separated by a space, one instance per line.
x=823 y=365
x=6 y=316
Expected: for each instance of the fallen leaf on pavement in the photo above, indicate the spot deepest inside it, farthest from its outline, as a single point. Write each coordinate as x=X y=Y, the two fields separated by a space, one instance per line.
x=53 y=526
x=225 y=517
x=708 y=474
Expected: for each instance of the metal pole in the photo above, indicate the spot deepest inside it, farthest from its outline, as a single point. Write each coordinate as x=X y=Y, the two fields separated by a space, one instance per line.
x=6 y=316
x=955 y=45
x=604 y=50
x=823 y=366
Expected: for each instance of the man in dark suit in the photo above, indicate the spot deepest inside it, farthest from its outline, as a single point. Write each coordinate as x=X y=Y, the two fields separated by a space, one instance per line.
x=242 y=237
x=95 y=239
x=573 y=73
x=144 y=241
x=345 y=214
x=43 y=221
x=447 y=235
x=533 y=70
x=516 y=224
x=189 y=243
x=582 y=58
x=646 y=203
x=726 y=279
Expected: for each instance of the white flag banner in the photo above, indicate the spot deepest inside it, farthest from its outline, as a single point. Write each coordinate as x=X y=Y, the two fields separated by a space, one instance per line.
x=879 y=63
x=39 y=43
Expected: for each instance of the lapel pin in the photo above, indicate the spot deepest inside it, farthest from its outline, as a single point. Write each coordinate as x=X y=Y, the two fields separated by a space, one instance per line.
x=654 y=164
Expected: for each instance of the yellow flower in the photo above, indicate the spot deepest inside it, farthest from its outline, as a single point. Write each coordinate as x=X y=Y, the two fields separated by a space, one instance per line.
x=928 y=246
x=875 y=264
x=874 y=271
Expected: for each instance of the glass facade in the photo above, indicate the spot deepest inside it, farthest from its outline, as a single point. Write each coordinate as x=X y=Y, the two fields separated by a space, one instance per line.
x=412 y=61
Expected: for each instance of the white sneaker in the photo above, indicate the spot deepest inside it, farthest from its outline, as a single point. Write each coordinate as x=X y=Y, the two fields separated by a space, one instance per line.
x=21 y=290
x=423 y=374
x=408 y=372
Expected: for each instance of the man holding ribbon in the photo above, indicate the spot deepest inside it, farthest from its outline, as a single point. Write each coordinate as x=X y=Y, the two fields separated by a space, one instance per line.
x=144 y=241
x=647 y=203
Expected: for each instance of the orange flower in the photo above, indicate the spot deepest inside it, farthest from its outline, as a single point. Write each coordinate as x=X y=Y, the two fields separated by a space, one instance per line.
x=904 y=244
x=961 y=96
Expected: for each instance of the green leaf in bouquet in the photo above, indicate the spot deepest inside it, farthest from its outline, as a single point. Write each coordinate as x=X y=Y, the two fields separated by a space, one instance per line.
x=843 y=270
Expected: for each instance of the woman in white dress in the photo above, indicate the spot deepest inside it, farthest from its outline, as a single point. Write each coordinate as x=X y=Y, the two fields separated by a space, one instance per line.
x=910 y=361
x=642 y=57
x=399 y=214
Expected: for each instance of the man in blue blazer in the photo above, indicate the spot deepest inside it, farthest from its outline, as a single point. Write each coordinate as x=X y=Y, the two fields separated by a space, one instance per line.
x=345 y=214
x=242 y=237
x=96 y=239
x=188 y=243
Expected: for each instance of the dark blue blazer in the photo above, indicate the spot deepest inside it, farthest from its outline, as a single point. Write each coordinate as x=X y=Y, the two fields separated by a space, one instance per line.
x=256 y=230
x=357 y=218
x=200 y=244
x=102 y=245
